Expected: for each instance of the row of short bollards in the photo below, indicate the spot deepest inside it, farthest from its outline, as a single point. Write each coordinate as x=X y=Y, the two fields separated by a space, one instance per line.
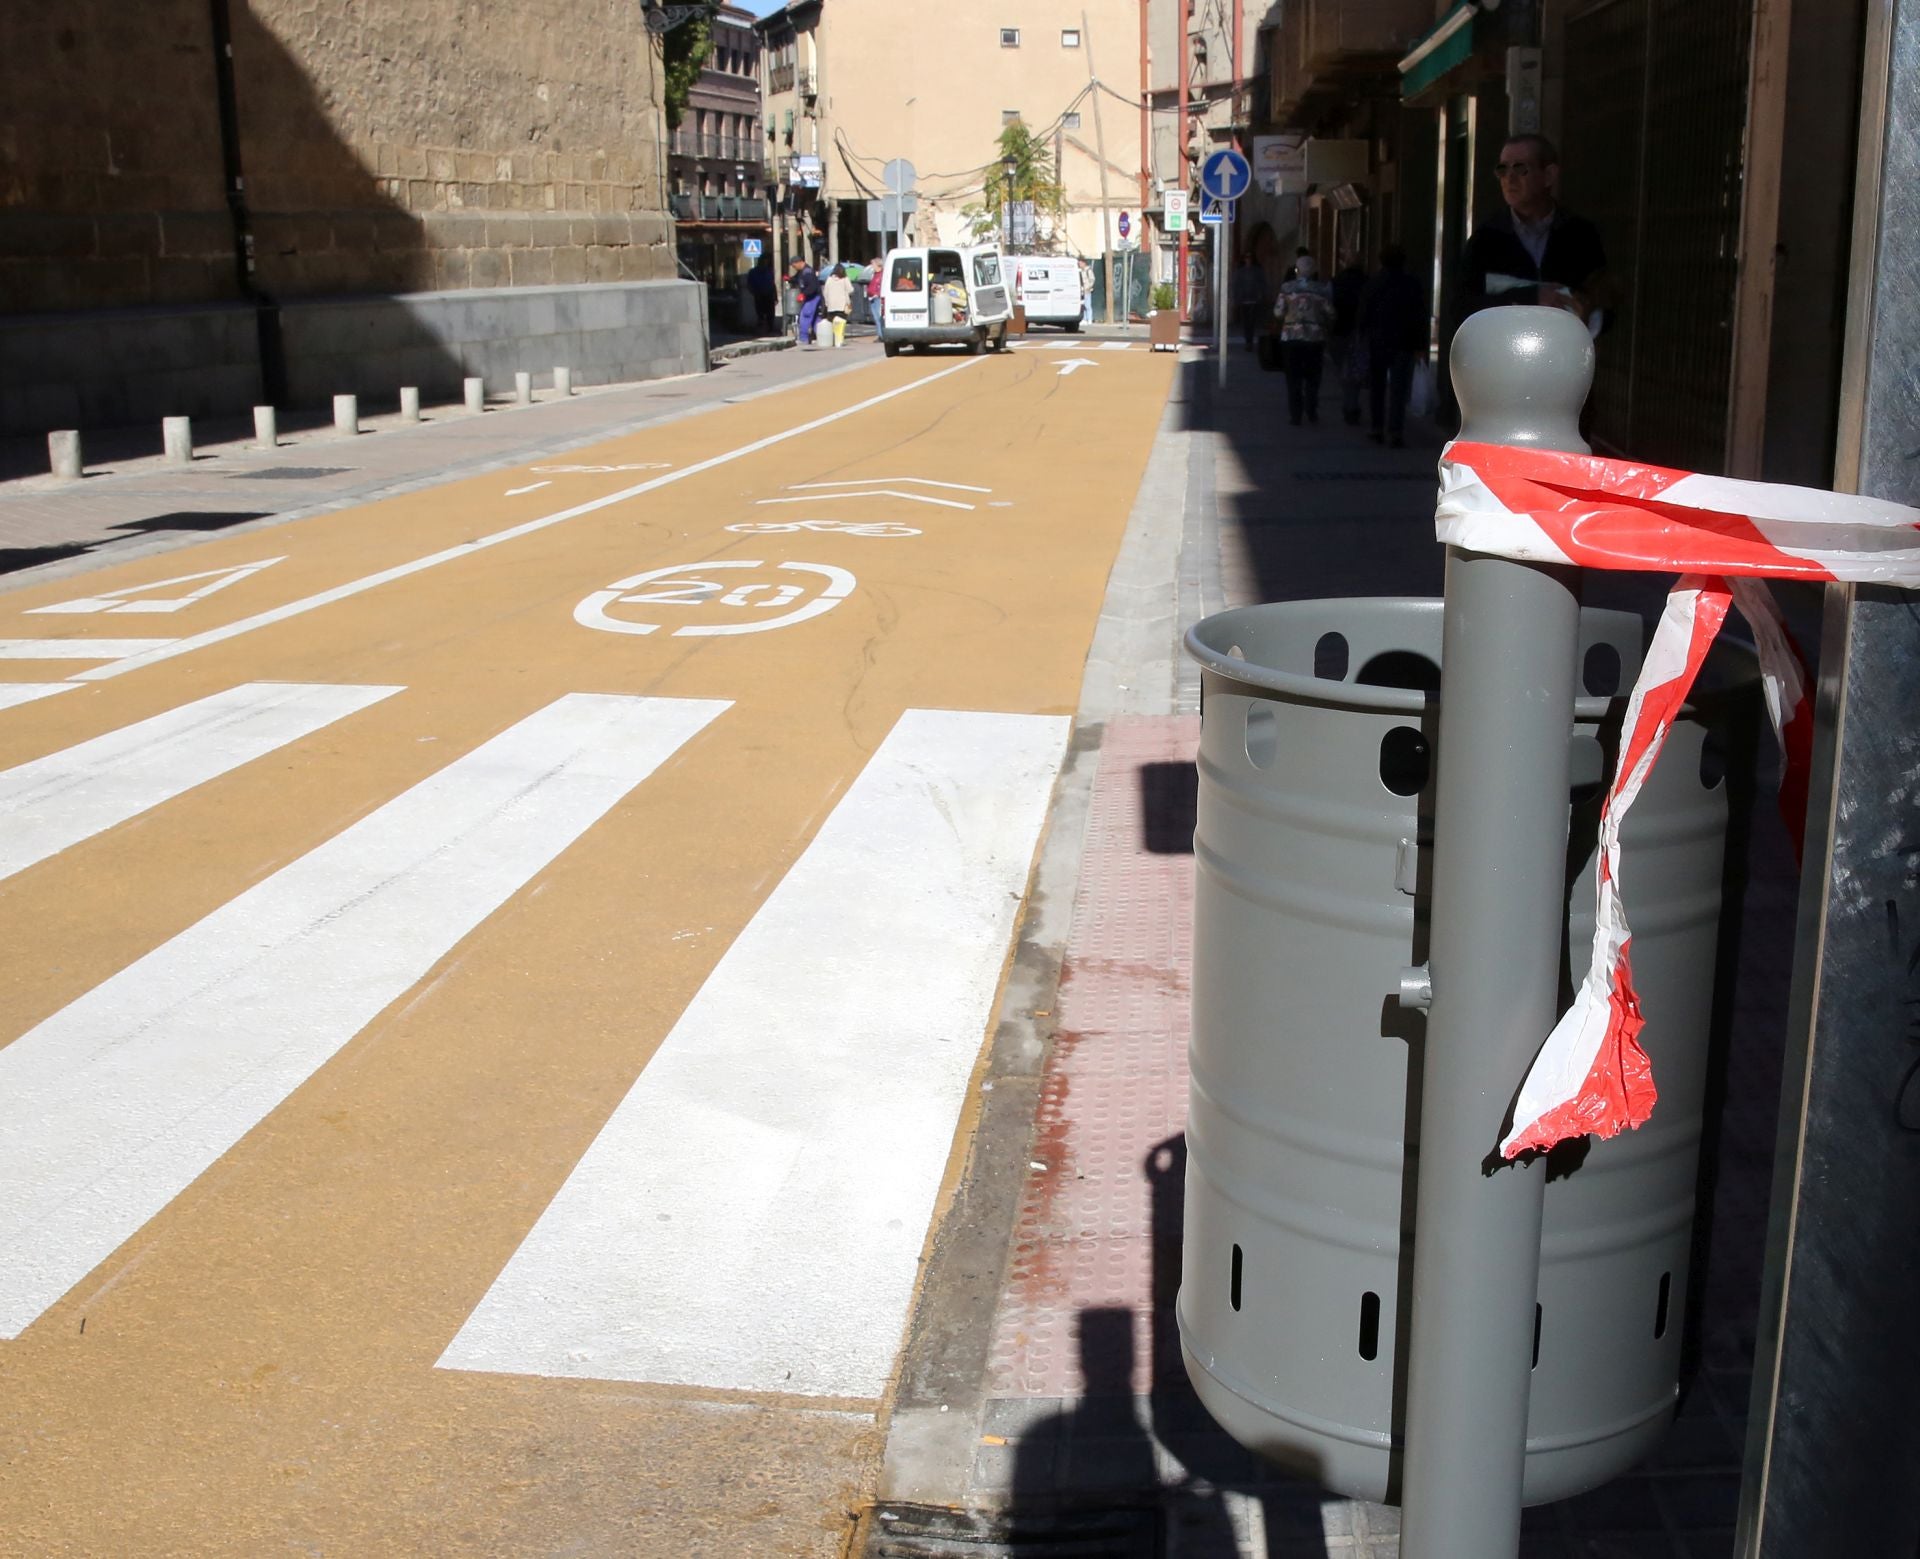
x=67 y=462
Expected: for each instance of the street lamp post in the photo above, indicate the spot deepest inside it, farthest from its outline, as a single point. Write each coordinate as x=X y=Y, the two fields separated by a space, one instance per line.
x=1009 y=166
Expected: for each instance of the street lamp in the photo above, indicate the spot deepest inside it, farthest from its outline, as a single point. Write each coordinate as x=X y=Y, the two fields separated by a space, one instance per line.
x=1009 y=166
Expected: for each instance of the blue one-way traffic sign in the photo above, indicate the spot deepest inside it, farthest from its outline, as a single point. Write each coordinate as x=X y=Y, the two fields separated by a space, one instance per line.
x=1225 y=175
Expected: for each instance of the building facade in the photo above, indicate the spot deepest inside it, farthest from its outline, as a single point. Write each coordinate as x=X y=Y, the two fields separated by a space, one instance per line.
x=250 y=155
x=717 y=160
x=852 y=85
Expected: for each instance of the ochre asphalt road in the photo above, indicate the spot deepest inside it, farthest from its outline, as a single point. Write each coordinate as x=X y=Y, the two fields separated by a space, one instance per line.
x=253 y=1369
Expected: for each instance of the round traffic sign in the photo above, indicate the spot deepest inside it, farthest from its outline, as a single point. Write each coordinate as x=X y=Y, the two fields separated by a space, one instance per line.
x=1126 y=224
x=1225 y=175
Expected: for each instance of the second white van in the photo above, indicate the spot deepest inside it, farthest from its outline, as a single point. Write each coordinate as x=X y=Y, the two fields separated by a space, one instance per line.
x=1048 y=288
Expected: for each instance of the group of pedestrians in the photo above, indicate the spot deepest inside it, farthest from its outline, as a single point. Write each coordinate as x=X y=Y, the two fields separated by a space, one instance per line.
x=1374 y=327
x=1377 y=328
x=824 y=298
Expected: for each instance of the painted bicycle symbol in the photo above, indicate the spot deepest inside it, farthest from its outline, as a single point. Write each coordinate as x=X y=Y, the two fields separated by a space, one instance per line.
x=736 y=602
x=882 y=528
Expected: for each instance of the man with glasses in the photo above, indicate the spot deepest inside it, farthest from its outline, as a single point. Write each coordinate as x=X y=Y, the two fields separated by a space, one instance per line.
x=1536 y=251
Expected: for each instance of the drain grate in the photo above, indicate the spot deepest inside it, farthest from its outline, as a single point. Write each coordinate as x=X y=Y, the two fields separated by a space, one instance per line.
x=290 y=473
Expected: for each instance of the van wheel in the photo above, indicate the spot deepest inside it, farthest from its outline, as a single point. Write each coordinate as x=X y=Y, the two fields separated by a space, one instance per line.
x=891 y=348
x=1072 y=327
x=977 y=345
x=1000 y=339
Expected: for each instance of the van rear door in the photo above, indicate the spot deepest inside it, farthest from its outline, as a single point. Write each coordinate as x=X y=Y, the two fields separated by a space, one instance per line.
x=992 y=298
x=906 y=288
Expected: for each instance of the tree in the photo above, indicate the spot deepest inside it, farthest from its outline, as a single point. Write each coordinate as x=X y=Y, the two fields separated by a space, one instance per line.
x=1033 y=177
x=683 y=53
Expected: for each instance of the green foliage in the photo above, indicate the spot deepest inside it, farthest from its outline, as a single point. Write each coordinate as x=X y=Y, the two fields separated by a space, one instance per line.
x=1034 y=177
x=684 y=53
x=1163 y=296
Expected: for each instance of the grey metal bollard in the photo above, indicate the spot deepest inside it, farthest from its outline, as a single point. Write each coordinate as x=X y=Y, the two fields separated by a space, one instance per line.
x=523 y=388
x=266 y=428
x=63 y=455
x=346 y=414
x=409 y=403
x=176 y=440
x=563 y=381
x=1315 y=1074
x=475 y=390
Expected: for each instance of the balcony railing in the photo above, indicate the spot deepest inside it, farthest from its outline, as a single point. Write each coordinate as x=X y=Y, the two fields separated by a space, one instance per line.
x=780 y=78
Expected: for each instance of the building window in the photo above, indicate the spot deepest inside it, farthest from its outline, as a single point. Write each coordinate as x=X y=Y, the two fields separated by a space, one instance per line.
x=1069 y=37
x=1009 y=37
x=1070 y=121
x=1009 y=116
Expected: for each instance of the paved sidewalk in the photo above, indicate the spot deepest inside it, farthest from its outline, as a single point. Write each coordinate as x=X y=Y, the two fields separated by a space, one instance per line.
x=130 y=502
x=1044 y=1407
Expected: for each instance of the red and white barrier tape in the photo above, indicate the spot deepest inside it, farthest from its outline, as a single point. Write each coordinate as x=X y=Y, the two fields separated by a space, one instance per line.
x=1722 y=536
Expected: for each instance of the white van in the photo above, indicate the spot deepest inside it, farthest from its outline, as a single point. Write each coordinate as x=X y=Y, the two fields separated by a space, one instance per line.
x=1048 y=288
x=956 y=296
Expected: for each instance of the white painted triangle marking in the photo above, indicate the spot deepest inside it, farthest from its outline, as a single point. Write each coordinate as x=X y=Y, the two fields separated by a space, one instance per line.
x=133 y=597
x=874 y=481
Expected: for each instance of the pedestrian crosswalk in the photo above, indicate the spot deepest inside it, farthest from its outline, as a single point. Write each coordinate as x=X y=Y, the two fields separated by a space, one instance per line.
x=752 y=1215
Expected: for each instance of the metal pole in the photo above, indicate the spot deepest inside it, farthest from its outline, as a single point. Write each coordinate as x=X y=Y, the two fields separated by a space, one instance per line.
x=1100 y=150
x=1509 y=651
x=1220 y=247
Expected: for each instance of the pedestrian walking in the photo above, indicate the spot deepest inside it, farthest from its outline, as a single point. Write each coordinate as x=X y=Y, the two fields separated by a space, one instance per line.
x=836 y=297
x=1393 y=325
x=876 y=299
x=1305 y=312
x=1534 y=251
x=1249 y=296
x=1348 y=348
x=807 y=285
x=760 y=286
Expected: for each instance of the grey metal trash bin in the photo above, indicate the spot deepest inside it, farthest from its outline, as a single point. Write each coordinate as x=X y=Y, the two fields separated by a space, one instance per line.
x=1310 y=903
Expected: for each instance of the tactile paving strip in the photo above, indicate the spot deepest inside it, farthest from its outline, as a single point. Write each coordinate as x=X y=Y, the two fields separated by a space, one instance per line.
x=1097 y=1240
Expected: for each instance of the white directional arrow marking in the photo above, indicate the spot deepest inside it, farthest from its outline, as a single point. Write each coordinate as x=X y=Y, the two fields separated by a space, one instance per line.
x=872 y=481
x=843 y=495
x=1072 y=363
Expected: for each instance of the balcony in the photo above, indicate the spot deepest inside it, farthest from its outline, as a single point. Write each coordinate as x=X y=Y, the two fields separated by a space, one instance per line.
x=779 y=79
x=1323 y=48
x=809 y=83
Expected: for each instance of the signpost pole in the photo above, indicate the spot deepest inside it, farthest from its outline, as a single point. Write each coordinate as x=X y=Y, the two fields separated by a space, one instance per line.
x=1221 y=231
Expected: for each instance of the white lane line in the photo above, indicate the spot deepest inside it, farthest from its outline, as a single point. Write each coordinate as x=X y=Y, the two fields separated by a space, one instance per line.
x=12 y=693
x=81 y=649
x=515 y=492
x=511 y=533
x=118 y=1102
x=55 y=802
x=875 y=492
x=874 y=481
x=752 y=1214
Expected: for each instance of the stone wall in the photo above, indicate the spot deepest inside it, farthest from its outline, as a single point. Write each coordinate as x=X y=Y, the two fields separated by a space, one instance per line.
x=440 y=144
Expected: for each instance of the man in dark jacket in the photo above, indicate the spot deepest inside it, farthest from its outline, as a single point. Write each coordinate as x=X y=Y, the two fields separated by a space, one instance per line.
x=806 y=287
x=1393 y=324
x=1536 y=251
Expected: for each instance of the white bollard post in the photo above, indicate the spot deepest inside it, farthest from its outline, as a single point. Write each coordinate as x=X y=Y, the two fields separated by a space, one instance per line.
x=563 y=381
x=63 y=454
x=409 y=403
x=176 y=439
x=266 y=428
x=346 y=414
x=523 y=388
x=476 y=392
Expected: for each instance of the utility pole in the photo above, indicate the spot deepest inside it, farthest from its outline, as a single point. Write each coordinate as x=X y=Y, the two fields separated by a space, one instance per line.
x=1180 y=148
x=1100 y=150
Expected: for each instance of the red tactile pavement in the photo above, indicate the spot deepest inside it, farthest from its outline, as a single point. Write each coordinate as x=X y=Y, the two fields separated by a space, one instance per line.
x=1099 y=1213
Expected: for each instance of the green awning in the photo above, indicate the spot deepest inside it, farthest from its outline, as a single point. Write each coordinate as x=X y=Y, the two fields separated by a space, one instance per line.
x=1447 y=44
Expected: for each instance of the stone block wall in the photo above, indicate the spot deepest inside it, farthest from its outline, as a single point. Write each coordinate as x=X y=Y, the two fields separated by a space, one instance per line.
x=384 y=148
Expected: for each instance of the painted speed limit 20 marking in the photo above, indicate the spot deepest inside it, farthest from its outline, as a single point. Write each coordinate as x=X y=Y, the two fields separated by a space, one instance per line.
x=729 y=604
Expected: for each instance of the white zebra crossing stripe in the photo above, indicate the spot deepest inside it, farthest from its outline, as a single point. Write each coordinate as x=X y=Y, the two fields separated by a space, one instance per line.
x=752 y=1215
x=12 y=693
x=57 y=801
x=118 y=1102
